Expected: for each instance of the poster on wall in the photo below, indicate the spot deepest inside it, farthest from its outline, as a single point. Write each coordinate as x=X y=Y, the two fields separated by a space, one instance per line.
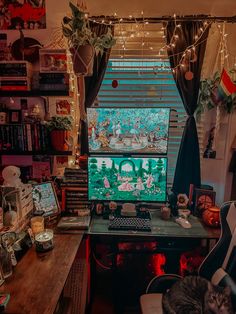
x=22 y=14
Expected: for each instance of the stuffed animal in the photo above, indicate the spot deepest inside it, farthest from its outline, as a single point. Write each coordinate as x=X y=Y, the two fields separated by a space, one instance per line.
x=11 y=176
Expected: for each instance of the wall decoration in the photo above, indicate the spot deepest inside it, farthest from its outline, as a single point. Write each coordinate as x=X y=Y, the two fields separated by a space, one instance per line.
x=203 y=200
x=27 y=14
x=53 y=60
x=63 y=106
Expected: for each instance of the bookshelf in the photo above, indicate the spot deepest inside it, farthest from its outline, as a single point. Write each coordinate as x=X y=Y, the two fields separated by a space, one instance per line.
x=51 y=153
x=34 y=93
x=56 y=91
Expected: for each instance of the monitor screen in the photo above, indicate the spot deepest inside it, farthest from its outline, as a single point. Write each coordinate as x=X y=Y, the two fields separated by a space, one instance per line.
x=45 y=198
x=127 y=178
x=128 y=130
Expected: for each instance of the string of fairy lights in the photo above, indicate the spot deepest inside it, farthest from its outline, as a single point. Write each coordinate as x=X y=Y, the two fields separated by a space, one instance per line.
x=127 y=29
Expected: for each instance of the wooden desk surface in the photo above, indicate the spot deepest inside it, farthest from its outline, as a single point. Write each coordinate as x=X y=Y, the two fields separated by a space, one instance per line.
x=38 y=280
x=160 y=228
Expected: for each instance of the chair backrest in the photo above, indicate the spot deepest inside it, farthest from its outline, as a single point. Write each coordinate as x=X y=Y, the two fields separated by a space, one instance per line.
x=223 y=254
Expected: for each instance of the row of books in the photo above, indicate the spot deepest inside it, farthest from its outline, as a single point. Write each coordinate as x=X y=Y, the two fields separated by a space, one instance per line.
x=54 y=81
x=15 y=75
x=75 y=177
x=75 y=183
x=24 y=137
x=15 y=69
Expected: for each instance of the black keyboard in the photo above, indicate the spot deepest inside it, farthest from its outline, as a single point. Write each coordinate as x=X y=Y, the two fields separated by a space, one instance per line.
x=130 y=223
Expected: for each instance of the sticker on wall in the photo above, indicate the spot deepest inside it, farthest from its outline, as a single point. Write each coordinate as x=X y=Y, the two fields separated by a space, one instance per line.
x=18 y=14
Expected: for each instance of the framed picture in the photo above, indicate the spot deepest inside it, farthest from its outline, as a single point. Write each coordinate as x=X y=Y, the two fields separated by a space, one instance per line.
x=15 y=116
x=45 y=199
x=63 y=106
x=203 y=200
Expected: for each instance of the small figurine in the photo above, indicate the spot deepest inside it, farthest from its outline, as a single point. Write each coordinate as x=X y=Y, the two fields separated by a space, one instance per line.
x=182 y=201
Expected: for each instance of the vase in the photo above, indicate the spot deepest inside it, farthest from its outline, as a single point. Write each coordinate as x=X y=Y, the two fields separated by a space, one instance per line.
x=60 y=140
x=211 y=216
x=83 y=60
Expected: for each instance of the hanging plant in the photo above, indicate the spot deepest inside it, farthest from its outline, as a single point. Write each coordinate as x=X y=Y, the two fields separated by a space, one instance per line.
x=207 y=99
x=82 y=41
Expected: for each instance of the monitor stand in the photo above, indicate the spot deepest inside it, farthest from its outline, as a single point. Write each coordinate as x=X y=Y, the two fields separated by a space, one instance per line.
x=128 y=209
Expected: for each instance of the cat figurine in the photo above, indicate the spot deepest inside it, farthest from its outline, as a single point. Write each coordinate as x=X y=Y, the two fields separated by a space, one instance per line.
x=196 y=295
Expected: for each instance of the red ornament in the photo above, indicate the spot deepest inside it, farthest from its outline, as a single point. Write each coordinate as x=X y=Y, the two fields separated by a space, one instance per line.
x=114 y=84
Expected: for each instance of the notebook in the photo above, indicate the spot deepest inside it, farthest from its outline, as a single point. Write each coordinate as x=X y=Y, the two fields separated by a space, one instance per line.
x=74 y=223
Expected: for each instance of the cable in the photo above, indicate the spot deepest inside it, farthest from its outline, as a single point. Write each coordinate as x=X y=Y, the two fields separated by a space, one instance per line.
x=100 y=264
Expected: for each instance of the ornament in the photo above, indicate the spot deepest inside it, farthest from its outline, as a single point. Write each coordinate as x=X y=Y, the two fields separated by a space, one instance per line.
x=189 y=75
x=114 y=84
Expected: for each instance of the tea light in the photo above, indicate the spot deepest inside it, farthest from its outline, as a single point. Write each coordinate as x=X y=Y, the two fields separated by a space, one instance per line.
x=44 y=241
x=37 y=224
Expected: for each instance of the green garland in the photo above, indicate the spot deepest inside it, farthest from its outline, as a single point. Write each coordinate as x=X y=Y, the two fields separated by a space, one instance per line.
x=205 y=98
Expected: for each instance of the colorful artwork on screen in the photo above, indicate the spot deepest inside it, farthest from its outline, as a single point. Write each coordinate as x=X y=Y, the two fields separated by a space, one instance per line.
x=129 y=130
x=22 y=14
x=127 y=179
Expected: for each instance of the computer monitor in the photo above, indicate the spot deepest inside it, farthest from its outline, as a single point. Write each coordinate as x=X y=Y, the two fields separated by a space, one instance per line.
x=45 y=198
x=140 y=179
x=141 y=130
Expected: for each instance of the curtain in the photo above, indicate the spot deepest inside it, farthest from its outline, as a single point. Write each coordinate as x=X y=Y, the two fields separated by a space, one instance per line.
x=188 y=163
x=93 y=83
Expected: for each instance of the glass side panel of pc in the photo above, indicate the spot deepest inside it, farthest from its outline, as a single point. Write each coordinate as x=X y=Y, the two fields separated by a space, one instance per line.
x=127 y=178
x=140 y=130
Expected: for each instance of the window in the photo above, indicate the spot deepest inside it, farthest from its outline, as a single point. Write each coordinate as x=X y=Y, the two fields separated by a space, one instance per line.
x=144 y=79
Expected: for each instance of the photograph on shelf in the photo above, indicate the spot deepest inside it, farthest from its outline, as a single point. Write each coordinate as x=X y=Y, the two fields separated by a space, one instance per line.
x=15 y=116
x=53 y=60
x=63 y=106
x=59 y=165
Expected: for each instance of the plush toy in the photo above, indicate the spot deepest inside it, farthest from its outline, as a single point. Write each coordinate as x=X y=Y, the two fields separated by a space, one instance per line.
x=11 y=176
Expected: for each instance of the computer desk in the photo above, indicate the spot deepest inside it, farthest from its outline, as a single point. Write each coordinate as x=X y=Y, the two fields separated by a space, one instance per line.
x=170 y=239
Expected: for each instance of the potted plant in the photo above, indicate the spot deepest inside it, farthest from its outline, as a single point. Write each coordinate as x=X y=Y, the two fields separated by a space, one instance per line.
x=60 y=132
x=82 y=41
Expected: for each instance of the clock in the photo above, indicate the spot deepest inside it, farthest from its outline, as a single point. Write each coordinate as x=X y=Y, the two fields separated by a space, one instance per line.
x=203 y=200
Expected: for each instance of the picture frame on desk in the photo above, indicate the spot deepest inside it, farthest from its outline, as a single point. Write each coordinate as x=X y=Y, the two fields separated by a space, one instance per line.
x=14 y=116
x=203 y=200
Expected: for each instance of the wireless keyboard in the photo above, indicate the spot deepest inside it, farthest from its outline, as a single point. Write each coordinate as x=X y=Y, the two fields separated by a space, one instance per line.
x=130 y=223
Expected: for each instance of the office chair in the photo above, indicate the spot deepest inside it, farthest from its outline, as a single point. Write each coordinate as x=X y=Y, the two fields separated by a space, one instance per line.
x=218 y=267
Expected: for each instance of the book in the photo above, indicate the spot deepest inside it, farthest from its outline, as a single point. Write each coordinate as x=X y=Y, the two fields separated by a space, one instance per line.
x=74 y=223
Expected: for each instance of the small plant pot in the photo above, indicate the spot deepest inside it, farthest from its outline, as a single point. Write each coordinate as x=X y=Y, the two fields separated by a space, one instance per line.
x=83 y=59
x=60 y=140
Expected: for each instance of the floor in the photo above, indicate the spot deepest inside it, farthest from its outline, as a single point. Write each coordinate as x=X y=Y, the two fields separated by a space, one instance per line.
x=131 y=282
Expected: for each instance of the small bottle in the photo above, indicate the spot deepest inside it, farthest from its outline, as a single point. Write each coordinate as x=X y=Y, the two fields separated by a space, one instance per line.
x=6 y=263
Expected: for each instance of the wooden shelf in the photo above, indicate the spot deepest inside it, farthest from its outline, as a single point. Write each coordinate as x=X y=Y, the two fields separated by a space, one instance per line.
x=33 y=93
x=66 y=153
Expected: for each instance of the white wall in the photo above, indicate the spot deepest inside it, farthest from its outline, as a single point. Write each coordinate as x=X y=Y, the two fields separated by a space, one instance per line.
x=215 y=171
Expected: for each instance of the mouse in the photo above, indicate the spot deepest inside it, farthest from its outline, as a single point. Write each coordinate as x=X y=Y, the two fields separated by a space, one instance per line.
x=183 y=222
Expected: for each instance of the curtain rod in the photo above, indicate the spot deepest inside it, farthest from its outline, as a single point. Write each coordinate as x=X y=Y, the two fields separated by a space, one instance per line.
x=116 y=20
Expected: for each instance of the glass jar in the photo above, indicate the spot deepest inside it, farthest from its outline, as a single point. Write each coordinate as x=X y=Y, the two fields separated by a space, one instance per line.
x=6 y=264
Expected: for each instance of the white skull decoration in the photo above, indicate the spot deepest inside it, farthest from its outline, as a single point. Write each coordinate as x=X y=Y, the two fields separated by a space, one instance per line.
x=11 y=176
